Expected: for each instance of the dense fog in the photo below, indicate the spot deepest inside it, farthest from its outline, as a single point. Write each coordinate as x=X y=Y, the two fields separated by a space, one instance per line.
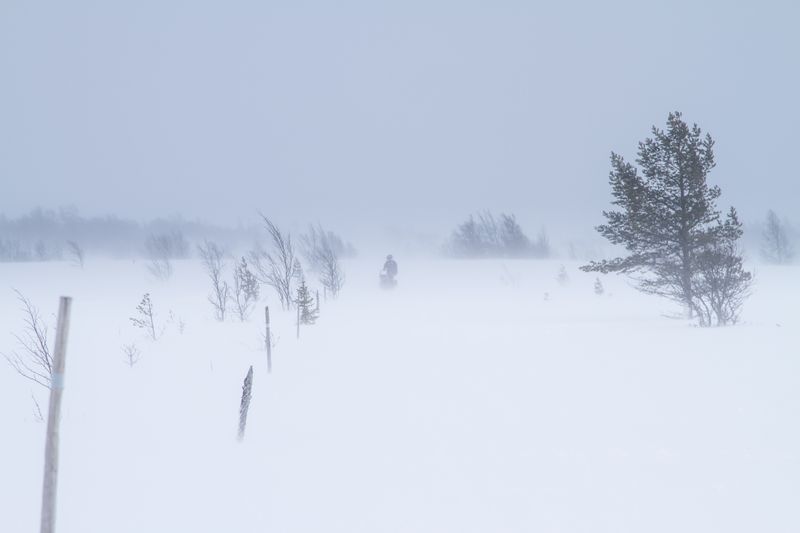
x=408 y=267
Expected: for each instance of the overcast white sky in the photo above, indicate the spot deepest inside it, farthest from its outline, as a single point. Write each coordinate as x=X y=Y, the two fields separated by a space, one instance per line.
x=368 y=114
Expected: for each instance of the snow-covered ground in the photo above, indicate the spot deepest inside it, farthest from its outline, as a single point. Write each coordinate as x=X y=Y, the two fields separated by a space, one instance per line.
x=463 y=401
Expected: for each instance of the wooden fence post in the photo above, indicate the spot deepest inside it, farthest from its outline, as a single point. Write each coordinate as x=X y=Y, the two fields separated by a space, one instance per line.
x=298 y=321
x=247 y=392
x=317 y=300
x=268 y=342
x=50 y=485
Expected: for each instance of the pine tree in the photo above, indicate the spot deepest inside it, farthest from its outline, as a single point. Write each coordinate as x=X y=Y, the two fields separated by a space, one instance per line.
x=667 y=218
x=598 y=287
x=305 y=302
x=245 y=289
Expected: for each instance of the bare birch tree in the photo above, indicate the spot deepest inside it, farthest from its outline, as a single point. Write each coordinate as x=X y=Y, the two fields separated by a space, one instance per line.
x=161 y=249
x=320 y=249
x=721 y=285
x=277 y=267
x=213 y=259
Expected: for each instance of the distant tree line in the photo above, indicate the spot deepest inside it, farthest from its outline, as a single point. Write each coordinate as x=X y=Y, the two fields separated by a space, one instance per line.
x=487 y=236
x=52 y=235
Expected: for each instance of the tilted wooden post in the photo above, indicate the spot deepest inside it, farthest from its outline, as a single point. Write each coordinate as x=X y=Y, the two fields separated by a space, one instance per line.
x=54 y=417
x=317 y=301
x=247 y=392
x=268 y=341
x=298 y=321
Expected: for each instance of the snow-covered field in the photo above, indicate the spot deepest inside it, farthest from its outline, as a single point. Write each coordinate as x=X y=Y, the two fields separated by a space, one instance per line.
x=463 y=401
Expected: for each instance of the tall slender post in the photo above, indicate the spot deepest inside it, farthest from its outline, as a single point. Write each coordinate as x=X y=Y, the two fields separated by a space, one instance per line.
x=268 y=341
x=50 y=485
x=298 y=321
x=317 y=300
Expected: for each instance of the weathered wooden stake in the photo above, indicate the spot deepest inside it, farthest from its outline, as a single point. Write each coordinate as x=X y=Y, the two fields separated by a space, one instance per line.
x=317 y=301
x=298 y=321
x=268 y=342
x=247 y=392
x=50 y=486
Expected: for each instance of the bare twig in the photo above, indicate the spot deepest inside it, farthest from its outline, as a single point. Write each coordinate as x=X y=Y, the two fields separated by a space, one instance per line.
x=34 y=361
x=37 y=410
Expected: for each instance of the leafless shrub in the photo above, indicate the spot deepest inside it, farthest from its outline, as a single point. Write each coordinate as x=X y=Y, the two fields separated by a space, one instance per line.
x=245 y=290
x=160 y=268
x=146 y=317
x=318 y=236
x=172 y=245
x=776 y=246
x=278 y=267
x=75 y=253
x=483 y=235
x=213 y=259
x=161 y=249
x=33 y=361
x=132 y=354
x=321 y=249
x=720 y=285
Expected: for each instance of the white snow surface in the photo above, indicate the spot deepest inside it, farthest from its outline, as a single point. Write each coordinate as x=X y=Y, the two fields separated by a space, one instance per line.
x=462 y=401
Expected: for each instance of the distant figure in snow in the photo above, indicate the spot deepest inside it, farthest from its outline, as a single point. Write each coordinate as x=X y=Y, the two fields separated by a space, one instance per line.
x=389 y=272
x=390 y=267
